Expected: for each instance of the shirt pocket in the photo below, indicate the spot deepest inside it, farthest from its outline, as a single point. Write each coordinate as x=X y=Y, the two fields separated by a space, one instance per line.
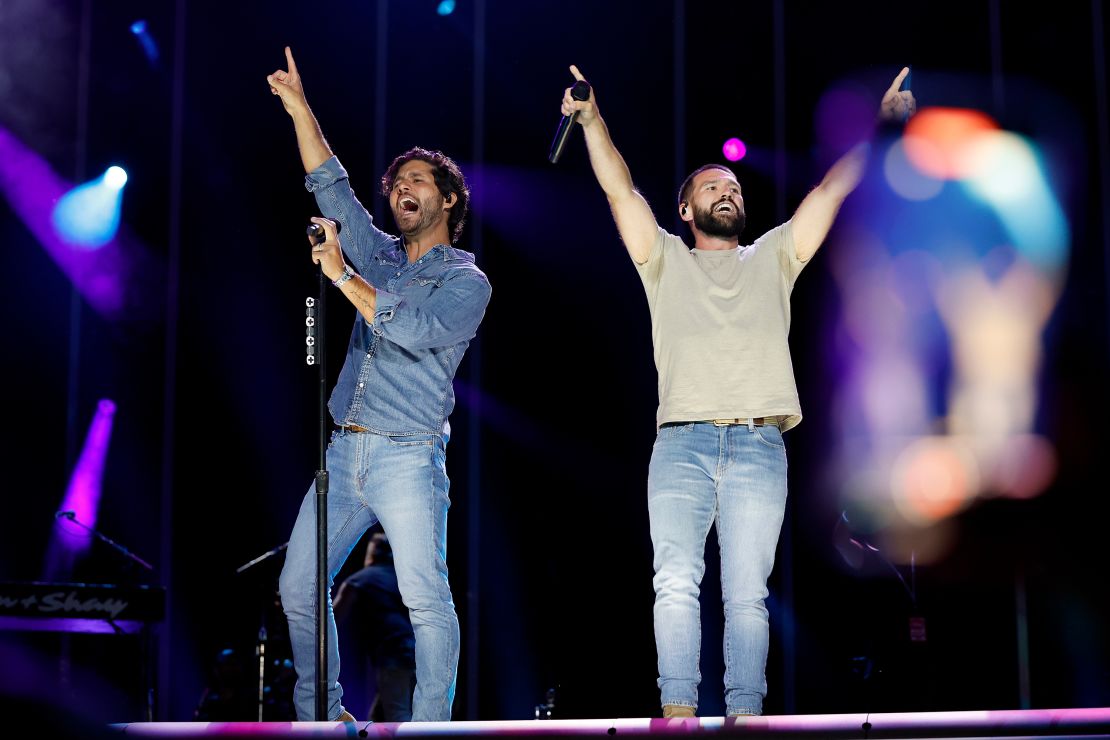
x=419 y=288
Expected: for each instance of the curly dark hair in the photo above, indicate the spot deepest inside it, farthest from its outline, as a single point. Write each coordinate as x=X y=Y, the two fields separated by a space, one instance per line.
x=448 y=178
x=684 y=191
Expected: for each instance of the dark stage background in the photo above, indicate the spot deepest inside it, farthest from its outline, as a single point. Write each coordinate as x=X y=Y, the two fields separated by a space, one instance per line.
x=213 y=444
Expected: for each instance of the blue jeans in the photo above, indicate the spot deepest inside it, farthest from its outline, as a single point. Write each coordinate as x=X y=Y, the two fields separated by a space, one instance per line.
x=400 y=481
x=733 y=477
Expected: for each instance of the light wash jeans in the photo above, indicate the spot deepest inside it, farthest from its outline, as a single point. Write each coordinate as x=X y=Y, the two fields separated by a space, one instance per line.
x=733 y=477
x=400 y=481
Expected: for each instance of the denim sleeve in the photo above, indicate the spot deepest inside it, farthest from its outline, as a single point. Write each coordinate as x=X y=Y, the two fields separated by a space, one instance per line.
x=450 y=315
x=359 y=236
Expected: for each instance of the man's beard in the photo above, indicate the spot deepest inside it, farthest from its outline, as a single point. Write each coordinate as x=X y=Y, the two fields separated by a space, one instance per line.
x=430 y=210
x=723 y=225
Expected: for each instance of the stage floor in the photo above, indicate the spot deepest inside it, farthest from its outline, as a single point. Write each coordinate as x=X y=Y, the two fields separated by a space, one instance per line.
x=1038 y=723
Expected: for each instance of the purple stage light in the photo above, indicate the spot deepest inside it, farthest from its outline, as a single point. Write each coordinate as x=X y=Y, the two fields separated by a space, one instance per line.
x=82 y=496
x=734 y=150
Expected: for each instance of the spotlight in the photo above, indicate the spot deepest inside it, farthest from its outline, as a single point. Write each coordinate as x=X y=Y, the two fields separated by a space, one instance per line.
x=115 y=177
x=83 y=495
x=88 y=215
x=446 y=7
x=734 y=150
x=146 y=41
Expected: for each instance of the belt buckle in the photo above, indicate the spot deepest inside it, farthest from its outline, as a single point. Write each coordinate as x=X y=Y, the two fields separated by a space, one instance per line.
x=725 y=422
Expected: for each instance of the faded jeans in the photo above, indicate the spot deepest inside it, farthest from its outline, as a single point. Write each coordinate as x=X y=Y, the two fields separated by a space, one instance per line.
x=400 y=481
x=733 y=477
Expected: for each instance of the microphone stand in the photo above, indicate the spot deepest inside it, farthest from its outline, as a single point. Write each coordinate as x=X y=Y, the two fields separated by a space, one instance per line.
x=263 y=635
x=316 y=233
x=71 y=516
x=854 y=549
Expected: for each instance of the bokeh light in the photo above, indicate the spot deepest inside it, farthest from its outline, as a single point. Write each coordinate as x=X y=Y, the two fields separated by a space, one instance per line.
x=734 y=149
x=904 y=178
x=948 y=277
x=937 y=140
x=934 y=478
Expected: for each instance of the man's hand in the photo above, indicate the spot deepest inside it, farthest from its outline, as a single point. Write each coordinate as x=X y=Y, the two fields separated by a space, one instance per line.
x=587 y=109
x=897 y=105
x=287 y=85
x=328 y=255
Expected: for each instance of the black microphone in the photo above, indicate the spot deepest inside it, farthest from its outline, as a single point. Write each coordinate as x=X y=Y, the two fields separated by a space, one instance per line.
x=316 y=232
x=580 y=91
x=71 y=515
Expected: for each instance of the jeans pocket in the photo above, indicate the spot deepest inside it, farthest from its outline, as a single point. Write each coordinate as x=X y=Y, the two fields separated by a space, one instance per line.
x=409 y=440
x=771 y=436
x=673 y=430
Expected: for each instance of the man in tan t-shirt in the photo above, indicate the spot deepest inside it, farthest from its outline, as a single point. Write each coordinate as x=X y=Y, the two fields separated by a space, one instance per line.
x=720 y=315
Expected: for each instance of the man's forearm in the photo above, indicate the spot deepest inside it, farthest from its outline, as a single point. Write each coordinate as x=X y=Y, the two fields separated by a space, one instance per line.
x=846 y=173
x=363 y=295
x=631 y=212
x=608 y=164
x=310 y=140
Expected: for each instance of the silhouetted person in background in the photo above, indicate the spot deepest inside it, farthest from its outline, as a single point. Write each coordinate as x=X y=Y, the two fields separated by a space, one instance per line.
x=381 y=630
x=228 y=696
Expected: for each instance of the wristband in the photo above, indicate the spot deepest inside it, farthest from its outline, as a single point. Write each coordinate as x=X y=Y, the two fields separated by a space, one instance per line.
x=347 y=275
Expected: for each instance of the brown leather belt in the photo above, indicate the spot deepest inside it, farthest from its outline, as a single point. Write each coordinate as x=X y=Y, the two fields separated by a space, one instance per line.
x=354 y=428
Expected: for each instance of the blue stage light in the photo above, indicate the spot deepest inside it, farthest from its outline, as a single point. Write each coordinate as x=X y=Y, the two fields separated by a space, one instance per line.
x=146 y=41
x=88 y=215
x=446 y=7
x=115 y=177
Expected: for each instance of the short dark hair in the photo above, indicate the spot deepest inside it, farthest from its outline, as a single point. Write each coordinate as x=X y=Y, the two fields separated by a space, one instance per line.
x=448 y=177
x=684 y=191
x=383 y=551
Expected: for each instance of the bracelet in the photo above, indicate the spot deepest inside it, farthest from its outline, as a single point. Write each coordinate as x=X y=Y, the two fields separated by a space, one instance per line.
x=347 y=275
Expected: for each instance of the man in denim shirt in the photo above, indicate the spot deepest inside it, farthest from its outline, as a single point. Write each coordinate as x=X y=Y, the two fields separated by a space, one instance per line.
x=420 y=301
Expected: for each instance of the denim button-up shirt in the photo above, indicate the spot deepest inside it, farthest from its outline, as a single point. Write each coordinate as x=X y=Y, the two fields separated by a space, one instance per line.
x=397 y=376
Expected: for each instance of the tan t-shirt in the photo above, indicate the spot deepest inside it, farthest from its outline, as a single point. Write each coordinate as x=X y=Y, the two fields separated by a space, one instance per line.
x=719 y=322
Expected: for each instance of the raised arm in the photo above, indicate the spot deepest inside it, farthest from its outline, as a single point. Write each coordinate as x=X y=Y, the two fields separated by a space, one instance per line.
x=815 y=215
x=310 y=140
x=635 y=221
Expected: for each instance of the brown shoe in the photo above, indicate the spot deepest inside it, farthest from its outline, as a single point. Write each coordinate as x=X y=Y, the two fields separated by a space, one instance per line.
x=346 y=717
x=676 y=711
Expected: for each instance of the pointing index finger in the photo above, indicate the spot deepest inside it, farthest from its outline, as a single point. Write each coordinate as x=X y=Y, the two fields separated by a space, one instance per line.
x=289 y=59
x=574 y=71
x=898 y=81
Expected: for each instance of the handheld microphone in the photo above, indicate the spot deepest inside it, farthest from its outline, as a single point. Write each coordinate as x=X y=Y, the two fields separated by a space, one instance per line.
x=580 y=91
x=316 y=232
